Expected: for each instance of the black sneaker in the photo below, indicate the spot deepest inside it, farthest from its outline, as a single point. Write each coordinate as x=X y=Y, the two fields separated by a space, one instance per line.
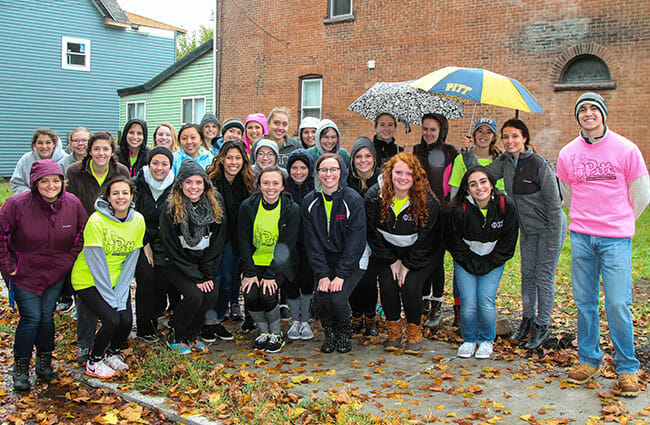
x=82 y=356
x=248 y=325
x=209 y=333
x=260 y=341
x=65 y=306
x=235 y=312
x=274 y=344
x=223 y=333
x=149 y=338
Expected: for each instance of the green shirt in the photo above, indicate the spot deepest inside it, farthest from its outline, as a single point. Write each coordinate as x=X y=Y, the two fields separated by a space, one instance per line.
x=116 y=239
x=265 y=234
x=459 y=170
x=398 y=205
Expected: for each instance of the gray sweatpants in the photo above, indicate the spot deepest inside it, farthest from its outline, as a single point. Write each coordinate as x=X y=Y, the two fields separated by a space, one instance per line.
x=538 y=266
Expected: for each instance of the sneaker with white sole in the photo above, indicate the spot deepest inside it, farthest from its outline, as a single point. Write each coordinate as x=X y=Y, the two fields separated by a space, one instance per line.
x=99 y=369
x=179 y=347
x=274 y=344
x=484 y=350
x=197 y=344
x=260 y=341
x=115 y=362
x=305 y=331
x=223 y=333
x=294 y=330
x=466 y=350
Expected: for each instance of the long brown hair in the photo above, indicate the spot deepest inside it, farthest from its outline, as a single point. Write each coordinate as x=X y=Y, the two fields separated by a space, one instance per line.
x=176 y=207
x=215 y=170
x=417 y=193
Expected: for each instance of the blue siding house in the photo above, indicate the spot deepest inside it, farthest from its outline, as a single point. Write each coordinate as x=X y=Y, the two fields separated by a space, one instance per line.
x=62 y=62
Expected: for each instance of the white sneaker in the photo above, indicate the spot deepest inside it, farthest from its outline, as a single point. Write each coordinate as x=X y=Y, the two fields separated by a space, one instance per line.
x=99 y=370
x=466 y=350
x=294 y=330
x=115 y=362
x=484 y=350
x=305 y=331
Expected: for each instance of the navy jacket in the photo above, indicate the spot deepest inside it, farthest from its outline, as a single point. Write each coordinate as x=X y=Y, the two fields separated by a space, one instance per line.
x=334 y=253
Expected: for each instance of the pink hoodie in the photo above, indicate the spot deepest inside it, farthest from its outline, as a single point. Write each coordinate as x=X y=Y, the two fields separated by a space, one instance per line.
x=261 y=120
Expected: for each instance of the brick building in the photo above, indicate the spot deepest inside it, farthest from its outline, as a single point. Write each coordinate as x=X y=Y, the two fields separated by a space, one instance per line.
x=312 y=56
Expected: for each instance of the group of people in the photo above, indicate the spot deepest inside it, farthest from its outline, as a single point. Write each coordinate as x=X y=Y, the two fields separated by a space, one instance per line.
x=217 y=211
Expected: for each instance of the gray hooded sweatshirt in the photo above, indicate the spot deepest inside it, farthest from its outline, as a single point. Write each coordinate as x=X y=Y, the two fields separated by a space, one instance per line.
x=20 y=179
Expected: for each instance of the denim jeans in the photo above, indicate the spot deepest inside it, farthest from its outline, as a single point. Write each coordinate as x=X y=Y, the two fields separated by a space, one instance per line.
x=593 y=258
x=478 y=313
x=229 y=282
x=36 y=324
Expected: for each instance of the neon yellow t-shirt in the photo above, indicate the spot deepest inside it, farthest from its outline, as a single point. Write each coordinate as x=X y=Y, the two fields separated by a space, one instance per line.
x=484 y=211
x=459 y=170
x=328 y=210
x=398 y=205
x=265 y=234
x=117 y=240
x=100 y=180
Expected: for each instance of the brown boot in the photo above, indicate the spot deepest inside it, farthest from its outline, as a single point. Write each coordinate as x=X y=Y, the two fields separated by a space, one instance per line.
x=413 y=338
x=371 y=326
x=456 y=323
x=357 y=324
x=394 y=339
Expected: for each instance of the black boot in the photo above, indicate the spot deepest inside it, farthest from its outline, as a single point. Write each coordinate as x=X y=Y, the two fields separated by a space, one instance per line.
x=538 y=337
x=521 y=333
x=435 y=316
x=330 y=342
x=343 y=334
x=371 y=326
x=456 y=323
x=44 y=367
x=21 y=374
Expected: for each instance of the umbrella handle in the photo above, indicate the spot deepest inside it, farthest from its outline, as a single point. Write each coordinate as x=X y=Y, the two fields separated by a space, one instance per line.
x=469 y=131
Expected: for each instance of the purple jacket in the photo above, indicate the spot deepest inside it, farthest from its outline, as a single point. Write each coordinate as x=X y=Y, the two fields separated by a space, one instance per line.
x=40 y=240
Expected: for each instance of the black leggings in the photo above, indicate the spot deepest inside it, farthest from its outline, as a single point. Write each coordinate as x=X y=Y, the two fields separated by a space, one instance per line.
x=436 y=279
x=189 y=314
x=149 y=295
x=115 y=326
x=257 y=301
x=303 y=283
x=335 y=304
x=410 y=293
x=363 y=299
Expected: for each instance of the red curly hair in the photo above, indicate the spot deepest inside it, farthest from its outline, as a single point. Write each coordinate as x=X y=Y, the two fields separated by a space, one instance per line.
x=417 y=193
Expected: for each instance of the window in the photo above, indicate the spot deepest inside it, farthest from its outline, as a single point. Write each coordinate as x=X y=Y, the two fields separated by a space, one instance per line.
x=192 y=109
x=340 y=8
x=586 y=68
x=135 y=110
x=339 y=11
x=311 y=90
x=75 y=53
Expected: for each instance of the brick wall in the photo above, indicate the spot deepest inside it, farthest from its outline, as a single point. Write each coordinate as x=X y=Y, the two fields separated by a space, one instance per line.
x=267 y=45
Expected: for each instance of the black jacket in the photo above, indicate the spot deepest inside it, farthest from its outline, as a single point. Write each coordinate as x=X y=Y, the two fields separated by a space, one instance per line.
x=233 y=195
x=198 y=265
x=428 y=239
x=438 y=169
x=288 y=227
x=384 y=151
x=151 y=209
x=355 y=183
x=468 y=226
x=123 y=149
x=334 y=252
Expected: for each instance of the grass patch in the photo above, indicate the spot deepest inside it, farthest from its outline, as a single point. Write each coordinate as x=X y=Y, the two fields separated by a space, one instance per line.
x=5 y=192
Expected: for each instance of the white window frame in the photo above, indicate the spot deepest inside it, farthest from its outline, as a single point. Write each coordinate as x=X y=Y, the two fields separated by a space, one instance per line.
x=302 y=97
x=332 y=15
x=64 y=53
x=136 y=103
x=195 y=120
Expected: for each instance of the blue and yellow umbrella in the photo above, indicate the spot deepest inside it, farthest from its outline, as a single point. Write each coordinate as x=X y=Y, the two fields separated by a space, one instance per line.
x=480 y=86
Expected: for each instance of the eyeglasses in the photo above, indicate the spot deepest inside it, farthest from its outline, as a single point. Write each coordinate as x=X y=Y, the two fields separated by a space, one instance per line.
x=329 y=170
x=79 y=141
x=267 y=154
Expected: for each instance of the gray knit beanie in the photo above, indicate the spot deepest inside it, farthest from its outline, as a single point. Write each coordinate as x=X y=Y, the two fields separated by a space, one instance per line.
x=591 y=98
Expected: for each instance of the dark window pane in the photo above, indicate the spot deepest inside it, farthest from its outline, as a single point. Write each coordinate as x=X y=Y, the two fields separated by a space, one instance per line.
x=586 y=68
x=341 y=7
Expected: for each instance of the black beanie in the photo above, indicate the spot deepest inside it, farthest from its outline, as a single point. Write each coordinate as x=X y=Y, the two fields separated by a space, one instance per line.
x=230 y=124
x=161 y=150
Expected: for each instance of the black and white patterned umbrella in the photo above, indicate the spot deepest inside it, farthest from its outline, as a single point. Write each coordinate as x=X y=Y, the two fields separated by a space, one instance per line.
x=407 y=104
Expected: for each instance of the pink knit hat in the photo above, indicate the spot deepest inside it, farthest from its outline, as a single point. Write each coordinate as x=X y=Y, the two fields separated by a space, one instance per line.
x=261 y=120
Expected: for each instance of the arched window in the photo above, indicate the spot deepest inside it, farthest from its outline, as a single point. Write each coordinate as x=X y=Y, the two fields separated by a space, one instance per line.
x=586 y=68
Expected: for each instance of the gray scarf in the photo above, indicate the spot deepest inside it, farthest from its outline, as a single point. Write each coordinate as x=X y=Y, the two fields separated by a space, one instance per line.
x=199 y=217
x=157 y=187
